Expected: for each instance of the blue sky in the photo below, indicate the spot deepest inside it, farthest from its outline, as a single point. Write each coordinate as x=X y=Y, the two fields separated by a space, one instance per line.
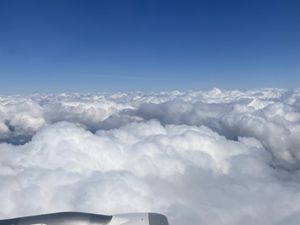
x=110 y=45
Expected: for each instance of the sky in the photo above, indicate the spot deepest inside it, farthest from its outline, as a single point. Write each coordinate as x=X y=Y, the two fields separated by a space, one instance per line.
x=124 y=45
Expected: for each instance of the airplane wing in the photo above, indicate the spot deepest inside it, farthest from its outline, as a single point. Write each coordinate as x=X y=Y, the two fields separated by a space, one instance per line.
x=78 y=218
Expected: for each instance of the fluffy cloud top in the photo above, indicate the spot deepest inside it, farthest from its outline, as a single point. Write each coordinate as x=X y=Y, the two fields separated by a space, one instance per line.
x=216 y=157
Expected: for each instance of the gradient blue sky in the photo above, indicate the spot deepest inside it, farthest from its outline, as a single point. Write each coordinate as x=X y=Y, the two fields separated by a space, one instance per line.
x=111 y=45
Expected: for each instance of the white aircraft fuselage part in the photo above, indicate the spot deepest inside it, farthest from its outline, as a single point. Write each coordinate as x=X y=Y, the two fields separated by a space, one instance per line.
x=78 y=218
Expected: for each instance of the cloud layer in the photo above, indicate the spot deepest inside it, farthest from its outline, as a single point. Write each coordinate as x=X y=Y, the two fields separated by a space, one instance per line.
x=215 y=157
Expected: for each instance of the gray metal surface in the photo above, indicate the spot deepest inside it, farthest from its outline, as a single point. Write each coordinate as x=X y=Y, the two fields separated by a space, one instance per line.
x=157 y=219
x=9 y=222
x=64 y=218
x=77 y=218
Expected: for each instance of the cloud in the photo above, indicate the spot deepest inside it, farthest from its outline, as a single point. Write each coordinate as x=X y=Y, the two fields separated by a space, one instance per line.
x=216 y=157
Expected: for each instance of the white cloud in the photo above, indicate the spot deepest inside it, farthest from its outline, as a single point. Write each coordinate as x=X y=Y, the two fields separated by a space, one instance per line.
x=216 y=157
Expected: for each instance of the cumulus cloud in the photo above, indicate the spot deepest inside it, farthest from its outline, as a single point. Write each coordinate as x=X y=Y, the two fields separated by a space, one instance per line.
x=216 y=157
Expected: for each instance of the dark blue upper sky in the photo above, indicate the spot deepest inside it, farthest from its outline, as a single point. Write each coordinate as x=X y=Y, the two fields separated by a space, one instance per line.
x=112 y=45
